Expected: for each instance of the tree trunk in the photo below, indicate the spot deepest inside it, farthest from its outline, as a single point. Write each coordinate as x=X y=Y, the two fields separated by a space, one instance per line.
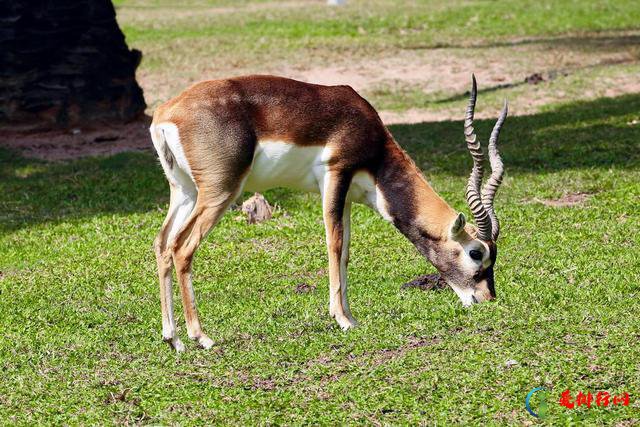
x=65 y=63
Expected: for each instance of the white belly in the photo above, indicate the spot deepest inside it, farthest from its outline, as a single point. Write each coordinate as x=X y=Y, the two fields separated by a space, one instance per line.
x=282 y=164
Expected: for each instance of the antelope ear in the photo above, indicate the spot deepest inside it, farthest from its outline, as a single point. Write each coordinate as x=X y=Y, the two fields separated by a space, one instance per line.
x=458 y=225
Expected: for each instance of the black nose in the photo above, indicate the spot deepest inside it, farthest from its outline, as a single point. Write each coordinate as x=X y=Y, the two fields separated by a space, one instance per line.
x=474 y=299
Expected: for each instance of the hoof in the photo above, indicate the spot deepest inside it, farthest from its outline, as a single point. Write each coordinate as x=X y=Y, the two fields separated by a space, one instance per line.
x=175 y=343
x=346 y=323
x=205 y=342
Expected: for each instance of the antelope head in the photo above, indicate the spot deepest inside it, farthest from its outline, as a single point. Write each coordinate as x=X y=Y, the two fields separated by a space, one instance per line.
x=466 y=262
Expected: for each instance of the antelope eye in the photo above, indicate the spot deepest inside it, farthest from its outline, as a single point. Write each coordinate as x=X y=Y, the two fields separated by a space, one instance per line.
x=475 y=254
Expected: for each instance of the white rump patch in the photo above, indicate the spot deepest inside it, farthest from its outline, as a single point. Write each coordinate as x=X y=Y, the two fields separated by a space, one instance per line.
x=184 y=191
x=179 y=173
x=172 y=139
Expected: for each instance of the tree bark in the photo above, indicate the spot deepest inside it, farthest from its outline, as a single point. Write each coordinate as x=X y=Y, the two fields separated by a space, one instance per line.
x=65 y=63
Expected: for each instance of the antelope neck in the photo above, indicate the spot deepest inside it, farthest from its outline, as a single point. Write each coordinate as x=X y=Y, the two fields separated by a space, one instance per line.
x=414 y=207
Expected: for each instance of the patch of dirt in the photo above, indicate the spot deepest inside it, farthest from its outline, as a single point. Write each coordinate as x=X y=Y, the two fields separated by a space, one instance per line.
x=78 y=142
x=304 y=288
x=263 y=384
x=121 y=396
x=382 y=356
x=433 y=70
x=443 y=69
x=426 y=283
x=534 y=79
x=568 y=200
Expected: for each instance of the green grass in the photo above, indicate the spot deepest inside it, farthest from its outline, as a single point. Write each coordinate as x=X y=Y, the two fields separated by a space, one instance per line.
x=79 y=304
x=272 y=32
x=80 y=315
x=428 y=22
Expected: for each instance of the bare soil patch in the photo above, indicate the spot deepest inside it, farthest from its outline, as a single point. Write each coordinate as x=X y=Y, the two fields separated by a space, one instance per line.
x=443 y=69
x=426 y=283
x=75 y=143
x=567 y=200
x=304 y=288
x=382 y=356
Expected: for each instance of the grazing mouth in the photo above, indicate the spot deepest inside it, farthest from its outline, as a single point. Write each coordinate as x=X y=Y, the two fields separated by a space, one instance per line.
x=429 y=282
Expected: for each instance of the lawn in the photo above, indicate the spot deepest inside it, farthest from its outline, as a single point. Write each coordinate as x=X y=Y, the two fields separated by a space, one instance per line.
x=79 y=306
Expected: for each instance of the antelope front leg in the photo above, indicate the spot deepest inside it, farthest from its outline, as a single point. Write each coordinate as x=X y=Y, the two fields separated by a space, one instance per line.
x=336 y=214
x=344 y=261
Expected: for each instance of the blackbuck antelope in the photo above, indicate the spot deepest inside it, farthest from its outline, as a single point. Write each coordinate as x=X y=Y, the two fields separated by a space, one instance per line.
x=219 y=138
